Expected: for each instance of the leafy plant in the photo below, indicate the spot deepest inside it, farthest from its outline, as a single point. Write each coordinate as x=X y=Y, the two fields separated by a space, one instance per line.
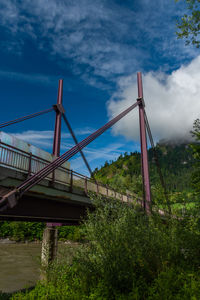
x=189 y=24
x=128 y=255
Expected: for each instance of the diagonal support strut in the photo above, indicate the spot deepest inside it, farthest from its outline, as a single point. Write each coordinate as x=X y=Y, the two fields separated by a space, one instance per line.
x=76 y=142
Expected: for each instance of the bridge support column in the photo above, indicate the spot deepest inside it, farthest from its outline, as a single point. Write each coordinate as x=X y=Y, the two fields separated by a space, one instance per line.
x=49 y=249
x=50 y=235
x=144 y=154
x=57 y=131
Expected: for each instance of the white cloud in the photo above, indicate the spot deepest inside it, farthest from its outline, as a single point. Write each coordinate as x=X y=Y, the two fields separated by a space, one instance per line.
x=45 y=138
x=38 y=138
x=84 y=131
x=96 y=157
x=172 y=103
x=109 y=39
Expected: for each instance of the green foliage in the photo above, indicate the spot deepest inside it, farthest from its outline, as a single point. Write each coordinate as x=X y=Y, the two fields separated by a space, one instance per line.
x=4 y=296
x=128 y=251
x=43 y=292
x=125 y=173
x=21 y=231
x=189 y=24
x=196 y=154
x=72 y=233
x=128 y=256
x=165 y=286
x=30 y=231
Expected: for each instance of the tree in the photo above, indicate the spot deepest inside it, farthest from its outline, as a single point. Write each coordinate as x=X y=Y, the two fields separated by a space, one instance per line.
x=196 y=155
x=189 y=25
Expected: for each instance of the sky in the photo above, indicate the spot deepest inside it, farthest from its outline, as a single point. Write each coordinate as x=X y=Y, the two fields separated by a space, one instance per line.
x=97 y=47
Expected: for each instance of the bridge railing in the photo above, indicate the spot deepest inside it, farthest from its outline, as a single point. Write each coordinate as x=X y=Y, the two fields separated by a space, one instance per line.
x=29 y=164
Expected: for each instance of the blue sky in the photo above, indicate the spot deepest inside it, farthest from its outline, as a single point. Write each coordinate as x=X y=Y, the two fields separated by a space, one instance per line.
x=97 y=47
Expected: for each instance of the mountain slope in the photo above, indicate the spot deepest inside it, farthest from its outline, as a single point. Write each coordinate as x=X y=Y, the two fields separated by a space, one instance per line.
x=125 y=173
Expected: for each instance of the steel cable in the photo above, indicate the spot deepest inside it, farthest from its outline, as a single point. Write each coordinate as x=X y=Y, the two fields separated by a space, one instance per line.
x=36 y=178
x=26 y=117
x=157 y=161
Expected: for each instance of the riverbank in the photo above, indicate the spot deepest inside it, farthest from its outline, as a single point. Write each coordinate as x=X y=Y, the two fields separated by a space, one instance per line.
x=33 y=231
x=11 y=241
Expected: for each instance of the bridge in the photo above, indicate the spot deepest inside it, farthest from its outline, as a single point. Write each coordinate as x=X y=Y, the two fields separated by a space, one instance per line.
x=62 y=196
x=38 y=186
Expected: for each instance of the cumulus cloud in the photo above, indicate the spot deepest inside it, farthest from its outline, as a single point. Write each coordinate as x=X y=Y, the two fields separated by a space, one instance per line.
x=172 y=103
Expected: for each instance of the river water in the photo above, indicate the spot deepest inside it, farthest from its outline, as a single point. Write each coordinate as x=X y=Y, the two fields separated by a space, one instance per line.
x=20 y=266
x=20 y=263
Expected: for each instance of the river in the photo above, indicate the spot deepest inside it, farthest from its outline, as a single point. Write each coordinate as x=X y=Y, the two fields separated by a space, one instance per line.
x=20 y=266
x=20 y=263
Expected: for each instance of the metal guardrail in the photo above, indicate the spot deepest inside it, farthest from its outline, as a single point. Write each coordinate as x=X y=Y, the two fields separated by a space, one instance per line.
x=29 y=164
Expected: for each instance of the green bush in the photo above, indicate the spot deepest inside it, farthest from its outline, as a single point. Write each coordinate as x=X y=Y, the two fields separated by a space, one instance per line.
x=73 y=233
x=126 y=249
x=128 y=255
x=175 y=284
x=21 y=231
x=5 y=230
x=30 y=231
x=5 y=296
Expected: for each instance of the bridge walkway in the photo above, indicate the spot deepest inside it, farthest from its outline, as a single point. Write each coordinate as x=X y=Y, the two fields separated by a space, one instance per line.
x=71 y=189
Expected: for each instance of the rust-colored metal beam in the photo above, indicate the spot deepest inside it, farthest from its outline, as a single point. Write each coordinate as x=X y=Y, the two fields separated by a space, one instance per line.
x=57 y=129
x=36 y=178
x=143 y=143
x=76 y=142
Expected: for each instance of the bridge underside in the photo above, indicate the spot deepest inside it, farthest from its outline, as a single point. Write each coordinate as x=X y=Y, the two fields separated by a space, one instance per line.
x=44 y=202
x=49 y=201
x=37 y=209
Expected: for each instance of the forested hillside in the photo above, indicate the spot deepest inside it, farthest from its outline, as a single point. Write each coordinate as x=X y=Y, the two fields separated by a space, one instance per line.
x=176 y=163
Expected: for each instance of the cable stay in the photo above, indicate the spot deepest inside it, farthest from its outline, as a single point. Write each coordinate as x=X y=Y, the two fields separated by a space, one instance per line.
x=157 y=162
x=24 y=118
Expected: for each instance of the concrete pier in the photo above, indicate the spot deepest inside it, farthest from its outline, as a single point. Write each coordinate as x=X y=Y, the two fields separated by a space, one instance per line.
x=49 y=249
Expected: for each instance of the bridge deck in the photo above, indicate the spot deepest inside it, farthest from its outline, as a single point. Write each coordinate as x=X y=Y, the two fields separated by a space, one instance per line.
x=62 y=196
